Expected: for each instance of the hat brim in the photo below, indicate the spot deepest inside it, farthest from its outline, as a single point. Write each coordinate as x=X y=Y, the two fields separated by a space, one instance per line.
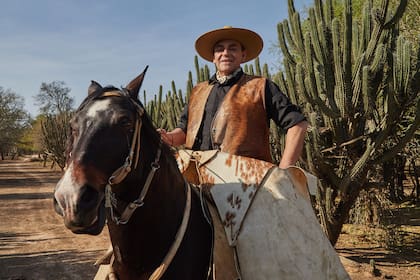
x=251 y=41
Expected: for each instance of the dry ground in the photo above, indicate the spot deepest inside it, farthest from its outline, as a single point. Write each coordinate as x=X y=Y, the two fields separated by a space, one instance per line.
x=369 y=257
x=34 y=243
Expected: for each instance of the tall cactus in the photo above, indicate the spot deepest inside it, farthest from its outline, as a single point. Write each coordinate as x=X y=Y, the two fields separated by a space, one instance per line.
x=356 y=81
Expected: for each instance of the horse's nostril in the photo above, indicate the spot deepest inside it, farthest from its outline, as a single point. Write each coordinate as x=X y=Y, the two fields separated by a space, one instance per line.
x=57 y=207
x=88 y=197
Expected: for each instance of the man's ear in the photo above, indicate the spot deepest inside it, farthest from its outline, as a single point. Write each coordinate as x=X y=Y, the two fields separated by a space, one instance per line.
x=243 y=55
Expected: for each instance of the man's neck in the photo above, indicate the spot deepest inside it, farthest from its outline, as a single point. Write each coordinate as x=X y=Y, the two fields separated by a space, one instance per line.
x=223 y=78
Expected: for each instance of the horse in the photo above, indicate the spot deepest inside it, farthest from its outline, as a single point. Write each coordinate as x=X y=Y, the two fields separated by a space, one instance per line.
x=119 y=172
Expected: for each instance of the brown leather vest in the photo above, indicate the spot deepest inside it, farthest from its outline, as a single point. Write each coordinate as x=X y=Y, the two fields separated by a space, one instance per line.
x=240 y=126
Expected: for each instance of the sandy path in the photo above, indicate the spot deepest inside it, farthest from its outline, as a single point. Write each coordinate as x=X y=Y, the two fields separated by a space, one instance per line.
x=34 y=244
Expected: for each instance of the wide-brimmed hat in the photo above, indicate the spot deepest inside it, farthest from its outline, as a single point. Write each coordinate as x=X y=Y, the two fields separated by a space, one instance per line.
x=250 y=40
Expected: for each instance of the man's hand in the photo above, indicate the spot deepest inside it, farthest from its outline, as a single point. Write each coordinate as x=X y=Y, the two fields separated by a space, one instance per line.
x=174 y=138
x=168 y=139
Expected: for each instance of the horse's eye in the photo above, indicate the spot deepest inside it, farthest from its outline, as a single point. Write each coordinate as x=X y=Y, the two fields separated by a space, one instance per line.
x=125 y=122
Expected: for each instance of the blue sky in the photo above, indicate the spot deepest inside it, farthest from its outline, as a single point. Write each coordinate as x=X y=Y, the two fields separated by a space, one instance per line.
x=111 y=41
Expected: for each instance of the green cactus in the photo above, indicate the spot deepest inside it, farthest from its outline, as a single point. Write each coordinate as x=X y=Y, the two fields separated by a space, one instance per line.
x=356 y=80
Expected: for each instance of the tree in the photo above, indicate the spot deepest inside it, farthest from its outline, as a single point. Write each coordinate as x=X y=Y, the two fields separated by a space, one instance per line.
x=55 y=131
x=37 y=135
x=54 y=99
x=358 y=82
x=56 y=106
x=31 y=141
x=13 y=120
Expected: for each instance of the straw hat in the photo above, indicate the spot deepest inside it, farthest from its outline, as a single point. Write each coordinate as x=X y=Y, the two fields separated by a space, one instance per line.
x=250 y=40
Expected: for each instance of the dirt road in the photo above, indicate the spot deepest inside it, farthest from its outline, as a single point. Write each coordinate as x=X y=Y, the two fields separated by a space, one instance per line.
x=34 y=244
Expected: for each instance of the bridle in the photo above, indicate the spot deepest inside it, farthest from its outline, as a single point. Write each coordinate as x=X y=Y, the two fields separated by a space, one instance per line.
x=121 y=173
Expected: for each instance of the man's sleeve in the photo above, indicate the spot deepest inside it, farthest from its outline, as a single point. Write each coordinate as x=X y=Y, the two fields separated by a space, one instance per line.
x=183 y=120
x=279 y=108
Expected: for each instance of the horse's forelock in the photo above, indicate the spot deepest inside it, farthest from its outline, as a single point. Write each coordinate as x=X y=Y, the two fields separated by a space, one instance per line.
x=89 y=99
x=99 y=94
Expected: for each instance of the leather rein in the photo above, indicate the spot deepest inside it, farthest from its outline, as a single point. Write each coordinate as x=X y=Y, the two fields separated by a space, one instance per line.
x=121 y=173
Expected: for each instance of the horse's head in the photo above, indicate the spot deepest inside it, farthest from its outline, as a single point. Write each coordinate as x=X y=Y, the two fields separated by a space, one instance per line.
x=100 y=142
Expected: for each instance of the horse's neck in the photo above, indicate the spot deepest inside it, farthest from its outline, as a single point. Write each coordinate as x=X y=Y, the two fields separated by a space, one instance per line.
x=152 y=228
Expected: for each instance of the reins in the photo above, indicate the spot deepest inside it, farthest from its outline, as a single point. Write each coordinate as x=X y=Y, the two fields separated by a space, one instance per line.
x=121 y=173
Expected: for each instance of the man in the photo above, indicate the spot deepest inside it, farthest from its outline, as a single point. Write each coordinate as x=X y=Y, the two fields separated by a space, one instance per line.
x=231 y=111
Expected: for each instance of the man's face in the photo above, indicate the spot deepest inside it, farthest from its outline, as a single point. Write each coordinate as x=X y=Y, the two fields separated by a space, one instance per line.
x=228 y=56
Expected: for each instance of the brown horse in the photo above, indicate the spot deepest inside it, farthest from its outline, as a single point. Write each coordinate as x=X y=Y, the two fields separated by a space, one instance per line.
x=117 y=164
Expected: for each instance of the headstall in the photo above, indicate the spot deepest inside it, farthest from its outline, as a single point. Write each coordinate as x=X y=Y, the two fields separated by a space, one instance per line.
x=129 y=164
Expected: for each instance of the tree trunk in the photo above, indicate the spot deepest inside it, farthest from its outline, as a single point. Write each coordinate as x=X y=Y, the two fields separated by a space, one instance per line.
x=415 y=179
x=340 y=214
x=388 y=174
x=400 y=176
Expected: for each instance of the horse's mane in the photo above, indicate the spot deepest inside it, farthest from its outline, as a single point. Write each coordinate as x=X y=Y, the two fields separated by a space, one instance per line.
x=151 y=130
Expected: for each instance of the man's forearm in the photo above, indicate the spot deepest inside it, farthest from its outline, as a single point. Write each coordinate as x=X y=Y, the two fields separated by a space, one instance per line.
x=294 y=144
x=177 y=136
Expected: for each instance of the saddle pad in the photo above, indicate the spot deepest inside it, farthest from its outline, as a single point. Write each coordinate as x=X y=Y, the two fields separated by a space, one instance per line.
x=233 y=182
x=269 y=219
x=282 y=236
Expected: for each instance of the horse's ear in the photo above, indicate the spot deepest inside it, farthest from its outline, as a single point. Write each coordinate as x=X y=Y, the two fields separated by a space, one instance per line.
x=134 y=86
x=94 y=86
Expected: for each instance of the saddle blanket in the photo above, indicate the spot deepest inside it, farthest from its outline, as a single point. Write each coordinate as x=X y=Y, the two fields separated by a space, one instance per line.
x=267 y=216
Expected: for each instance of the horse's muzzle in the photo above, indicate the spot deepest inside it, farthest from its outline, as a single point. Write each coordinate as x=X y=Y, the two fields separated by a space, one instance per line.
x=97 y=226
x=83 y=209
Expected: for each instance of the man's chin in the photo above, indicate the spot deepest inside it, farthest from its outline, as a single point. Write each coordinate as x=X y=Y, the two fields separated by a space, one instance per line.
x=226 y=68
